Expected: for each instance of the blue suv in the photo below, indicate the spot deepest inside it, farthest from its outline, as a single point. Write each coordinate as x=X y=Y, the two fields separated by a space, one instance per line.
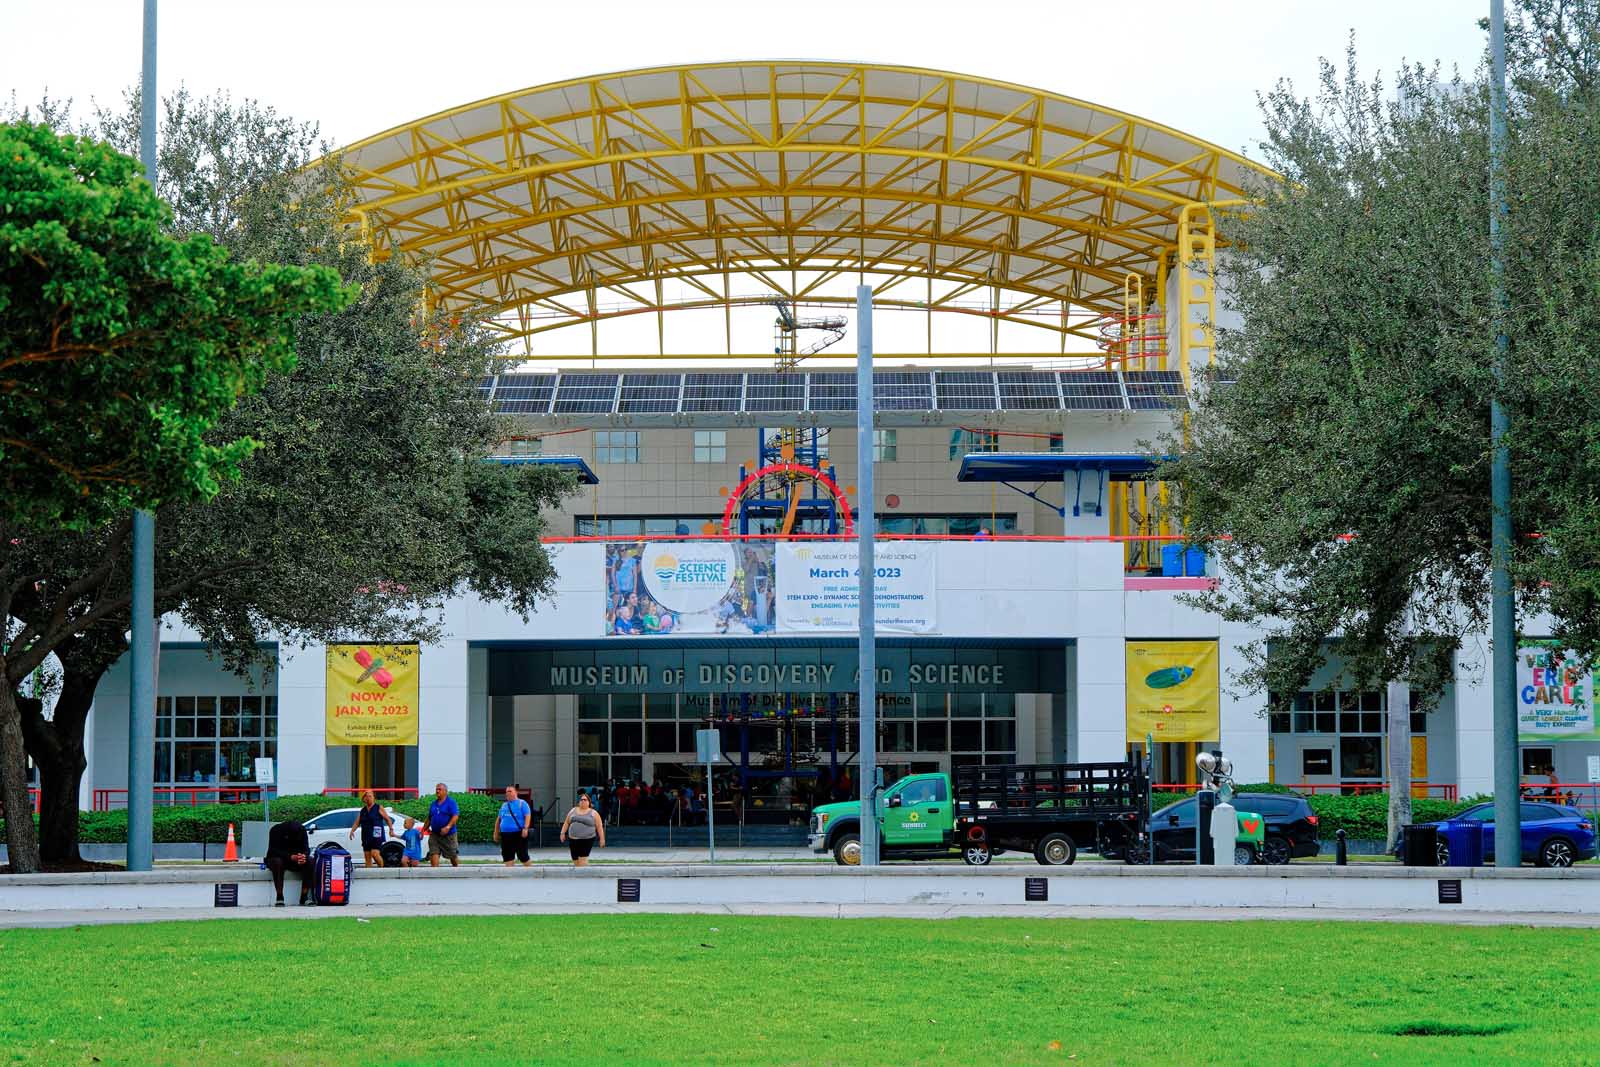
x=1553 y=835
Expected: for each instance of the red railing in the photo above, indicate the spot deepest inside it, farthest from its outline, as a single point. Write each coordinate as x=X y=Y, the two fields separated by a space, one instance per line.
x=33 y=795
x=398 y=792
x=104 y=799
x=1572 y=794
x=594 y=539
x=1439 y=790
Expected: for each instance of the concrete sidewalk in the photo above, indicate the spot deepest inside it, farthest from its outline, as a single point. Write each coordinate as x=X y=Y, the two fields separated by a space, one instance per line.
x=384 y=912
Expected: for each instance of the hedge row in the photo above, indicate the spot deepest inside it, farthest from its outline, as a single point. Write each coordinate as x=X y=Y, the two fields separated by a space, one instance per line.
x=209 y=822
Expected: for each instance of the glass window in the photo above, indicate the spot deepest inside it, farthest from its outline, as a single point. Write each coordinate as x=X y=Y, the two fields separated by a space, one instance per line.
x=1537 y=812
x=966 y=736
x=1360 y=757
x=1325 y=723
x=627 y=767
x=686 y=732
x=927 y=791
x=1000 y=734
x=1419 y=722
x=591 y=769
x=195 y=761
x=662 y=737
x=616 y=446
x=1305 y=722
x=627 y=706
x=594 y=706
x=899 y=736
x=1350 y=722
x=1481 y=813
x=1000 y=706
x=966 y=705
x=627 y=737
x=1538 y=760
x=1324 y=700
x=1278 y=722
x=711 y=446
x=933 y=736
x=1184 y=810
x=885 y=446
x=337 y=820
x=593 y=737
x=1372 y=722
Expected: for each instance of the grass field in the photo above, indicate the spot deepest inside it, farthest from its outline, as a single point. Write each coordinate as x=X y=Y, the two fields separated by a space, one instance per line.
x=698 y=989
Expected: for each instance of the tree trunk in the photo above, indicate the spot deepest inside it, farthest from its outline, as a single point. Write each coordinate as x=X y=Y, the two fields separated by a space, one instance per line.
x=57 y=744
x=22 y=840
x=1399 y=704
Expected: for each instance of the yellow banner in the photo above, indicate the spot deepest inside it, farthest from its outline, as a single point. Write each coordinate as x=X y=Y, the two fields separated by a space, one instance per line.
x=1174 y=691
x=372 y=694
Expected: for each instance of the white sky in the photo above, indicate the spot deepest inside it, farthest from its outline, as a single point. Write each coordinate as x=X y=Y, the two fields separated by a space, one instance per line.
x=358 y=68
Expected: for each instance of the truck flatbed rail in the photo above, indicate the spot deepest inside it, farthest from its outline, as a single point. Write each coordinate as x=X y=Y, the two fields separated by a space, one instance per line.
x=1050 y=791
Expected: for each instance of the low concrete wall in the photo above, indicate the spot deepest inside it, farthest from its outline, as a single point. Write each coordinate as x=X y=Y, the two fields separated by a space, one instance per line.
x=1572 y=891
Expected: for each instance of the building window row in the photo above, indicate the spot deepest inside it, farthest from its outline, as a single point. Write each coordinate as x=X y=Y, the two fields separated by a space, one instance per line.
x=1339 y=711
x=710 y=446
x=204 y=739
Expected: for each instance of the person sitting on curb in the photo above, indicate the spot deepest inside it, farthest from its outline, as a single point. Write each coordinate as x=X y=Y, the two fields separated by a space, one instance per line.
x=289 y=849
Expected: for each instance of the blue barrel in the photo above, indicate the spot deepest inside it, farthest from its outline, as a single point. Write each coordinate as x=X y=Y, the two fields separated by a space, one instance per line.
x=1172 y=561
x=1194 y=562
x=1466 y=846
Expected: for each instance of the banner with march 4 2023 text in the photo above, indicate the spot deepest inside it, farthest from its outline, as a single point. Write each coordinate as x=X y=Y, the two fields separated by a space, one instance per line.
x=819 y=588
x=1174 y=691
x=372 y=694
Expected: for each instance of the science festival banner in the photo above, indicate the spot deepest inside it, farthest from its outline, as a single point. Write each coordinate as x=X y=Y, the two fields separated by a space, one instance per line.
x=1555 y=696
x=1174 y=691
x=661 y=588
x=818 y=590
x=372 y=694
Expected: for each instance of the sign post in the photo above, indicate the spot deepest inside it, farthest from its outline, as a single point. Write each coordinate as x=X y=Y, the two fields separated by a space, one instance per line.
x=264 y=778
x=867 y=750
x=708 y=750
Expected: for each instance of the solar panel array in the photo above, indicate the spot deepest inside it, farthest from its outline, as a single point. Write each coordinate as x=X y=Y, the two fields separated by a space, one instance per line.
x=597 y=393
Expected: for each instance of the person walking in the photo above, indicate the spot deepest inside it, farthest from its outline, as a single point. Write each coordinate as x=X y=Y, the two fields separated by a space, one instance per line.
x=582 y=830
x=373 y=822
x=511 y=828
x=443 y=814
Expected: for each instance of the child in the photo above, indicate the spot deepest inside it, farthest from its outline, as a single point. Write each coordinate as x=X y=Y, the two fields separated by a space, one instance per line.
x=413 y=840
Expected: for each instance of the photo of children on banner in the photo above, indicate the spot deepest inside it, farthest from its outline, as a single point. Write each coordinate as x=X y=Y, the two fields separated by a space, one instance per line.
x=748 y=607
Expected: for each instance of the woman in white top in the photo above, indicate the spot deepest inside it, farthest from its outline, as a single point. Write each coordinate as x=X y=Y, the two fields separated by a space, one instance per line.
x=582 y=829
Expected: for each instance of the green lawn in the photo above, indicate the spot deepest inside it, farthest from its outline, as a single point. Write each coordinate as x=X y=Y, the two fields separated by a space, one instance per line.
x=697 y=989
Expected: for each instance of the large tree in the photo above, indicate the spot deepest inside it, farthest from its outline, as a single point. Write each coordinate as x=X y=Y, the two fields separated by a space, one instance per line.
x=121 y=345
x=368 y=501
x=1341 y=463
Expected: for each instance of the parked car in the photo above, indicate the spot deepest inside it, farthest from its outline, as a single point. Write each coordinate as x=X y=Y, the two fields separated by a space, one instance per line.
x=335 y=826
x=1553 y=835
x=1173 y=830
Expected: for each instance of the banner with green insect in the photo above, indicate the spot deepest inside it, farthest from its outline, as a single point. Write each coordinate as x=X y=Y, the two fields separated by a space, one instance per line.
x=372 y=693
x=1174 y=691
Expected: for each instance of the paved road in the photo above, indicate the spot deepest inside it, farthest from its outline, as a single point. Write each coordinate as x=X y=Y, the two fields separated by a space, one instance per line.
x=382 y=912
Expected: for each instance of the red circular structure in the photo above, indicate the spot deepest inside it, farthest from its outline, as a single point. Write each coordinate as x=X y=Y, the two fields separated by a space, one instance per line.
x=803 y=470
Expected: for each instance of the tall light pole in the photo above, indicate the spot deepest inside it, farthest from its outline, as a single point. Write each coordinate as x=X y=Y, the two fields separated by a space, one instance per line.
x=1503 y=605
x=142 y=690
x=866 y=529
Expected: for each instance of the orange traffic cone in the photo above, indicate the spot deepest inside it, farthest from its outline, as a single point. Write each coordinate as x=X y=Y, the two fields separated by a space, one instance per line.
x=231 y=853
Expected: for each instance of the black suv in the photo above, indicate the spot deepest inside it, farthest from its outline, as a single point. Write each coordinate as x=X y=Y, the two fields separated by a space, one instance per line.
x=1291 y=828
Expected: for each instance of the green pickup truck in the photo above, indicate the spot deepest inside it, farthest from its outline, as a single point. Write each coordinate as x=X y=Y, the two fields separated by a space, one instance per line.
x=1049 y=810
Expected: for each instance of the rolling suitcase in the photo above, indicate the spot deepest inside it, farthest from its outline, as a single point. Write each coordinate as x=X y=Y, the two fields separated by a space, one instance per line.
x=330 y=875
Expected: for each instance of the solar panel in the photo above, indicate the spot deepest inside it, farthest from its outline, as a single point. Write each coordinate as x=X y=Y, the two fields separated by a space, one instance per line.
x=712 y=392
x=1091 y=390
x=1028 y=390
x=1154 y=390
x=774 y=392
x=902 y=391
x=965 y=390
x=523 y=394
x=650 y=392
x=592 y=393
x=833 y=391
x=486 y=386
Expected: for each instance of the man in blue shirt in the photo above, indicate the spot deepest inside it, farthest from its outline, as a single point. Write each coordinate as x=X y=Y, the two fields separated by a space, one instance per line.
x=443 y=814
x=512 y=826
x=627 y=573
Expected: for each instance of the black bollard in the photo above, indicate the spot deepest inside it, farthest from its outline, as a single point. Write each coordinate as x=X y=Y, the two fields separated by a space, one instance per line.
x=1341 y=855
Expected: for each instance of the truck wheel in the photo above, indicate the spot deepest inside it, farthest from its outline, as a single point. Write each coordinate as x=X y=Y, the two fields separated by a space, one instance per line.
x=1055 y=850
x=847 y=850
x=976 y=854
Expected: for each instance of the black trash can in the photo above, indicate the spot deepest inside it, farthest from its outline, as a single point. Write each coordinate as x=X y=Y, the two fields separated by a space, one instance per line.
x=1421 y=844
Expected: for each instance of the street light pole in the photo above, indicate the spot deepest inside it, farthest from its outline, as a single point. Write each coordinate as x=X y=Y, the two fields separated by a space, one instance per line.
x=142 y=695
x=866 y=528
x=1503 y=606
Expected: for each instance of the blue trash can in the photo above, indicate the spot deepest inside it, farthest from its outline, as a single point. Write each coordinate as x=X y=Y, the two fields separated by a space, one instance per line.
x=1466 y=846
x=1172 y=561
x=1194 y=562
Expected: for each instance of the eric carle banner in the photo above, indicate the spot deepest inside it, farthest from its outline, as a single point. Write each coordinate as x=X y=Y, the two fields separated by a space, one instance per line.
x=662 y=588
x=818 y=590
x=1555 y=697
x=1174 y=691
x=372 y=694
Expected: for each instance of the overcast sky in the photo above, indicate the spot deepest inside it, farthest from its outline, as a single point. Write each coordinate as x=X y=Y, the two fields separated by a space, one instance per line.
x=362 y=67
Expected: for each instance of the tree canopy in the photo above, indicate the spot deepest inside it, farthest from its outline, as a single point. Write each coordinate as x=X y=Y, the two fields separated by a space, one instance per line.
x=1343 y=448
x=370 y=497
x=121 y=344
